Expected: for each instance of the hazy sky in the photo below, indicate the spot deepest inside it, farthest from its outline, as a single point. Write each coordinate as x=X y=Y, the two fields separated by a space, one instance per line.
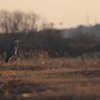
x=70 y=12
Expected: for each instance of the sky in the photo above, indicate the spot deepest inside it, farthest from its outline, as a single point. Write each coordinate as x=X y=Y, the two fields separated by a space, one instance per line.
x=71 y=13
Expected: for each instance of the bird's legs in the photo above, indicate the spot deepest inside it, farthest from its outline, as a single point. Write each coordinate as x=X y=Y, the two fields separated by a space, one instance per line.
x=11 y=61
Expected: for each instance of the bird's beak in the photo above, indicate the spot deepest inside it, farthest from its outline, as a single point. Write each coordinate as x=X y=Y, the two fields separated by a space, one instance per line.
x=19 y=40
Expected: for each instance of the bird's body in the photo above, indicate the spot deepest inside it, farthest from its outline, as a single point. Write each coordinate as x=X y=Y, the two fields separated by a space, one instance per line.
x=12 y=50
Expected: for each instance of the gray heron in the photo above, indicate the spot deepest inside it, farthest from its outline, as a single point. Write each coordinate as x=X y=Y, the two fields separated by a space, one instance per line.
x=13 y=49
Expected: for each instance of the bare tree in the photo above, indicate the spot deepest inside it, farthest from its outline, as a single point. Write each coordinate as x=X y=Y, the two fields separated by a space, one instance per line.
x=18 y=21
x=5 y=18
x=60 y=25
x=52 y=25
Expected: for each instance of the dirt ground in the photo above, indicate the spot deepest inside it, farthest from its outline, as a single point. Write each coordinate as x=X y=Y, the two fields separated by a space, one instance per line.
x=50 y=79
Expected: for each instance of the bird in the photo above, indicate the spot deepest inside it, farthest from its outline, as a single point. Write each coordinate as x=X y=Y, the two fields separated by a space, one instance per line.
x=12 y=49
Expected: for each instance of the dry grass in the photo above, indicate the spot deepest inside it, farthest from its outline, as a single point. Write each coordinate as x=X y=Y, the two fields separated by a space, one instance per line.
x=39 y=77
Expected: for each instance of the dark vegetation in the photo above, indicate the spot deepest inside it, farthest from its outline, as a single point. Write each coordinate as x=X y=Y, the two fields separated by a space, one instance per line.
x=41 y=37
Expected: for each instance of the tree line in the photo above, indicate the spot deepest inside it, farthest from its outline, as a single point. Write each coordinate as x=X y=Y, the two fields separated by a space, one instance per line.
x=17 y=21
x=26 y=26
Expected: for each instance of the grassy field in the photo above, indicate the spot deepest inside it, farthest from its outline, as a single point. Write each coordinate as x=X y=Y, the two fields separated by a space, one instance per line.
x=44 y=78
